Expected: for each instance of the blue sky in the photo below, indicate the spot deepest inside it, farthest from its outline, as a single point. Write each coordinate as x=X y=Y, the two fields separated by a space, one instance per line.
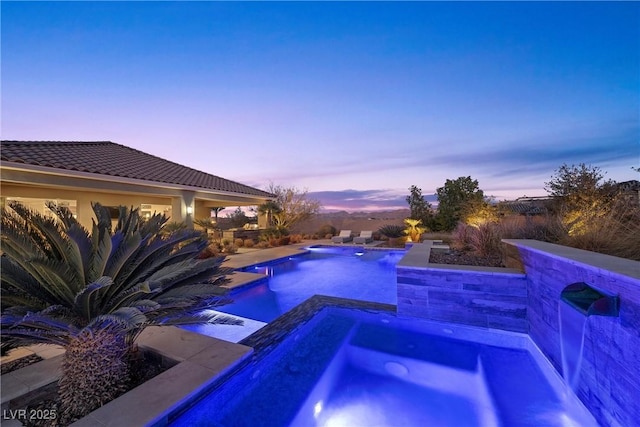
x=354 y=101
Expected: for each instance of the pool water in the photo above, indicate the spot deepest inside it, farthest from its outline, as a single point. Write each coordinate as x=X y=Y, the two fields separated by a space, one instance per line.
x=349 y=272
x=351 y=368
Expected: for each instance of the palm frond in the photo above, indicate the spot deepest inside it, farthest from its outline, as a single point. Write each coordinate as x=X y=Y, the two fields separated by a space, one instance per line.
x=86 y=301
x=195 y=290
x=145 y=305
x=127 y=296
x=156 y=254
x=205 y=316
x=17 y=281
x=101 y=247
x=125 y=318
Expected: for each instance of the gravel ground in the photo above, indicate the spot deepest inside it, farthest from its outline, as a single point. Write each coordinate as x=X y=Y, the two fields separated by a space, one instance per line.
x=19 y=363
x=454 y=256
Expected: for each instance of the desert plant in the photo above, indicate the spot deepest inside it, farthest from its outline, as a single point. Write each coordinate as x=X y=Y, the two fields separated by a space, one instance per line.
x=485 y=239
x=206 y=224
x=296 y=238
x=414 y=230
x=248 y=243
x=392 y=230
x=229 y=248
x=327 y=229
x=615 y=232
x=294 y=206
x=268 y=209
x=273 y=233
x=93 y=292
x=461 y=237
x=238 y=242
x=283 y=241
x=395 y=234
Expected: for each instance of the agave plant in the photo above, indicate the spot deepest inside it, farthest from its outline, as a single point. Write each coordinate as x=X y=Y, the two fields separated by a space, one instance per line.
x=93 y=292
x=391 y=231
x=414 y=230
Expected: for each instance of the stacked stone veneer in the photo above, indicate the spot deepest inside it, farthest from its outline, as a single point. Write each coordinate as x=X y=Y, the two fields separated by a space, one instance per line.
x=609 y=384
x=479 y=296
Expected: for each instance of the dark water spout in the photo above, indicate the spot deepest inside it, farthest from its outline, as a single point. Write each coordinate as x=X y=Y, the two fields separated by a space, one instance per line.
x=590 y=301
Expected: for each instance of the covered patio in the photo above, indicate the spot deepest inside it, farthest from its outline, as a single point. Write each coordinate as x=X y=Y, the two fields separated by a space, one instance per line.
x=77 y=173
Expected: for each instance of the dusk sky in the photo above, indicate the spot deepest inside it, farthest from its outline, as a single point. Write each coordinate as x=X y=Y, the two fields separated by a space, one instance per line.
x=354 y=101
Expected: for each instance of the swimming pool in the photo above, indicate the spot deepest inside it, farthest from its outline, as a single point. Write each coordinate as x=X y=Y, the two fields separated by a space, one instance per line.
x=350 y=367
x=347 y=272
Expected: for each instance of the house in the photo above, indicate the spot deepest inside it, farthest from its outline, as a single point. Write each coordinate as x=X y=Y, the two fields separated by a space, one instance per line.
x=528 y=206
x=630 y=190
x=76 y=173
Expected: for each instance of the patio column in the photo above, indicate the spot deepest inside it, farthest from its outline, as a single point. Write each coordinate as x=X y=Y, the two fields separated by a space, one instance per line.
x=183 y=208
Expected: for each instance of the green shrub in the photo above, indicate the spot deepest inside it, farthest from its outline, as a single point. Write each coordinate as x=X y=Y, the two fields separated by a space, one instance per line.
x=327 y=229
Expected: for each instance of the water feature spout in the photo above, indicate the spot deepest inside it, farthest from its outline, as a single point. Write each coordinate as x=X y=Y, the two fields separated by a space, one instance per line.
x=590 y=301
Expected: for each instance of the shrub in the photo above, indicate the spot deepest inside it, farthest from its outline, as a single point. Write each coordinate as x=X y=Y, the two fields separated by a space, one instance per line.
x=230 y=249
x=616 y=232
x=392 y=230
x=210 y=251
x=461 y=237
x=238 y=242
x=485 y=240
x=248 y=243
x=327 y=229
x=295 y=238
x=283 y=241
x=262 y=245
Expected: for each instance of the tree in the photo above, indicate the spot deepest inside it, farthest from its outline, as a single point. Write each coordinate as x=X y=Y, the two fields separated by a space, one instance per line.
x=295 y=206
x=93 y=292
x=452 y=200
x=581 y=196
x=216 y=210
x=419 y=207
x=269 y=208
x=576 y=181
x=238 y=218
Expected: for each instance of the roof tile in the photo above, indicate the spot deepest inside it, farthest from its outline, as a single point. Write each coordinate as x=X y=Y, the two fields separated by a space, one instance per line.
x=109 y=158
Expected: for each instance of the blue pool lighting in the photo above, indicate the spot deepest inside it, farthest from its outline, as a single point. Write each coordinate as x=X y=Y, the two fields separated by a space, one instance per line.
x=349 y=367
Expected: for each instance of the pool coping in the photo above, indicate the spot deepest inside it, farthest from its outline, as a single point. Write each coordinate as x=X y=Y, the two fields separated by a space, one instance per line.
x=201 y=361
x=264 y=341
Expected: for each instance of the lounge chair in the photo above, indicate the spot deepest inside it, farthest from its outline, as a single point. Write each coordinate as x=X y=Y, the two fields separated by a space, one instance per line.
x=344 y=236
x=364 y=238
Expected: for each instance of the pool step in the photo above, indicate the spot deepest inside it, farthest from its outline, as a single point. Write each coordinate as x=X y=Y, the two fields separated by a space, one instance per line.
x=231 y=333
x=419 y=346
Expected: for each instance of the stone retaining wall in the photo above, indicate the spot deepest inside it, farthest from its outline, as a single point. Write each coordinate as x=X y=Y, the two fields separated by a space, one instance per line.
x=478 y=296
x=609 y=383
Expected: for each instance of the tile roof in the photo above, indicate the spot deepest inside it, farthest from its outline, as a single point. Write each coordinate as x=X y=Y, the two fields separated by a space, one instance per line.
x=109 y=158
